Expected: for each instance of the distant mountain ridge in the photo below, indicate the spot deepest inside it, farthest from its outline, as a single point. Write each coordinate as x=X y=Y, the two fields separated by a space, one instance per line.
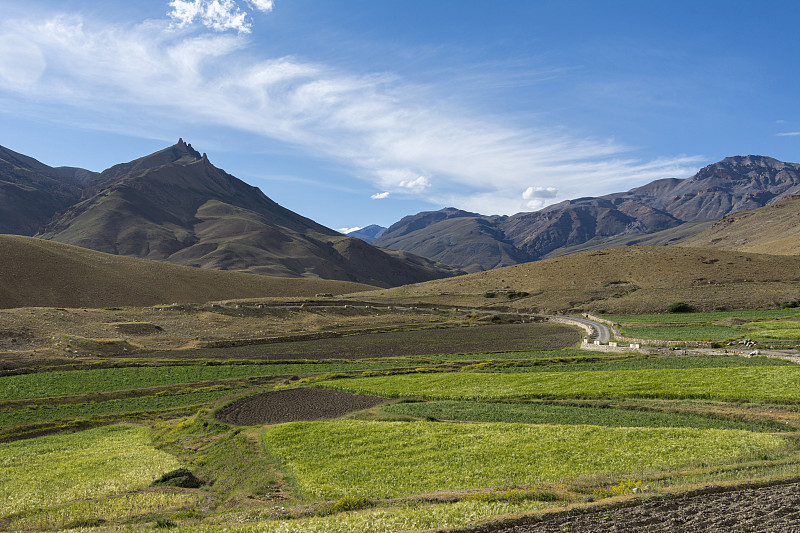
x=31 y=193
x=175 y=206
x=367 y=234
x=477 y=242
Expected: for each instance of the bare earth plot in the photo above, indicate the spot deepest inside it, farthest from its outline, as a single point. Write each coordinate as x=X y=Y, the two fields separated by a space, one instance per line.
x=295 y=405
x=775 y=509
x=488 y=338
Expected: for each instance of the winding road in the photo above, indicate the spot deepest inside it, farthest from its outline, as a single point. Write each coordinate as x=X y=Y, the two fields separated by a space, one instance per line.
x=602 y=332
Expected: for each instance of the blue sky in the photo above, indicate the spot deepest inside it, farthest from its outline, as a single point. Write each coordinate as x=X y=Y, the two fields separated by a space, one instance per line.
x=354 y=112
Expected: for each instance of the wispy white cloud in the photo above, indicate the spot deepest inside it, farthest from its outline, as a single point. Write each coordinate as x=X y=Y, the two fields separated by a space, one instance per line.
x=378 y=126
x=789 y=134
x=417 y=185
x=380 y=195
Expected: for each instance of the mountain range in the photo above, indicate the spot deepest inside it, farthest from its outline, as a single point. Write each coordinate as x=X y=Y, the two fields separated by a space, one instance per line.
x=175 y=206
x=671 y=209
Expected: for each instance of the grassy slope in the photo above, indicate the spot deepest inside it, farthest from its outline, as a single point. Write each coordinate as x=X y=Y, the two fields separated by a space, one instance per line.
x=668 y=237
x=39 y=273
x=633 y=279
x=773 y=229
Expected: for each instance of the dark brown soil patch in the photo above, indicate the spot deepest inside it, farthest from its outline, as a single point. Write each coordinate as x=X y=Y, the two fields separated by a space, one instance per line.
x=774 y=508
x=477 y=339
x=295 y=405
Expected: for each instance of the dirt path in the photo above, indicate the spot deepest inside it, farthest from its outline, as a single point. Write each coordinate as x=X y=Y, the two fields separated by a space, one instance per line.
x=773 y=509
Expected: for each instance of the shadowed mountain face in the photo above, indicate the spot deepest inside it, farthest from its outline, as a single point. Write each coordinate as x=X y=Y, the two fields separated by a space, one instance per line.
x=476 y=242
x=175 y=206
x=31 y=193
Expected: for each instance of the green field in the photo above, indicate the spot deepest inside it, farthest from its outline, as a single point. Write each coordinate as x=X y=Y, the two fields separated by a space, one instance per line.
x=641 y=363
x=58 y=469
x=689 y=332
x=694 y=318
x=480 y=434
x=122 y=508
x=73 y=382
x=390 y=520
x=776 y=329
x=392 y=459
x=736 y=383
x=39 y=414
x=771 y=324
x=541 y=413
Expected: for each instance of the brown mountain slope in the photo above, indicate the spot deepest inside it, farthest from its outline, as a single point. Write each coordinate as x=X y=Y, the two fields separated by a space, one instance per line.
x=773 y=229
x=175 y=206
x=731 y=185
x=634 y=279
x=39 y=273
x=452 y=236
x=32 y=192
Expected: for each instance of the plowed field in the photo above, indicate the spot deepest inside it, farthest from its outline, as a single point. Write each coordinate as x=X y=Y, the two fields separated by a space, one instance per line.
x=295 y=405
x=773 y=508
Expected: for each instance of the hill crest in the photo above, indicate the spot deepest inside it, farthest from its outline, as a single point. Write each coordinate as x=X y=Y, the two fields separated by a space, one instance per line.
x=51 y=274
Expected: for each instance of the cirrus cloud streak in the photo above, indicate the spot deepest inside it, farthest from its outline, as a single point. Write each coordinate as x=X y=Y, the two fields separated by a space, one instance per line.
x=378 y=125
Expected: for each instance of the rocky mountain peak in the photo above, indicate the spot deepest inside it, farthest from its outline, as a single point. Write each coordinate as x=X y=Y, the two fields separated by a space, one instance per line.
x=180 y=153
x=751 y=161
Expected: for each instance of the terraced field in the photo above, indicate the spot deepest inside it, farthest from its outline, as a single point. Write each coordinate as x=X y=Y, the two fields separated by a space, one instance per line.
x=439 y=428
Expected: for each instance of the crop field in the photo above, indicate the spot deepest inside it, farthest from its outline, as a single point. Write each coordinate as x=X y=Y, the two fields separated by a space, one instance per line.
x=60 y=383
x=57 y=469
x=328 y=460
x=689 y=332
x=464 y=425
x=636 y=362
x=543 y=413
x=48 y=413
x=768 y=324
x=701 y=318
x=776 y=329
x=733 y=383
